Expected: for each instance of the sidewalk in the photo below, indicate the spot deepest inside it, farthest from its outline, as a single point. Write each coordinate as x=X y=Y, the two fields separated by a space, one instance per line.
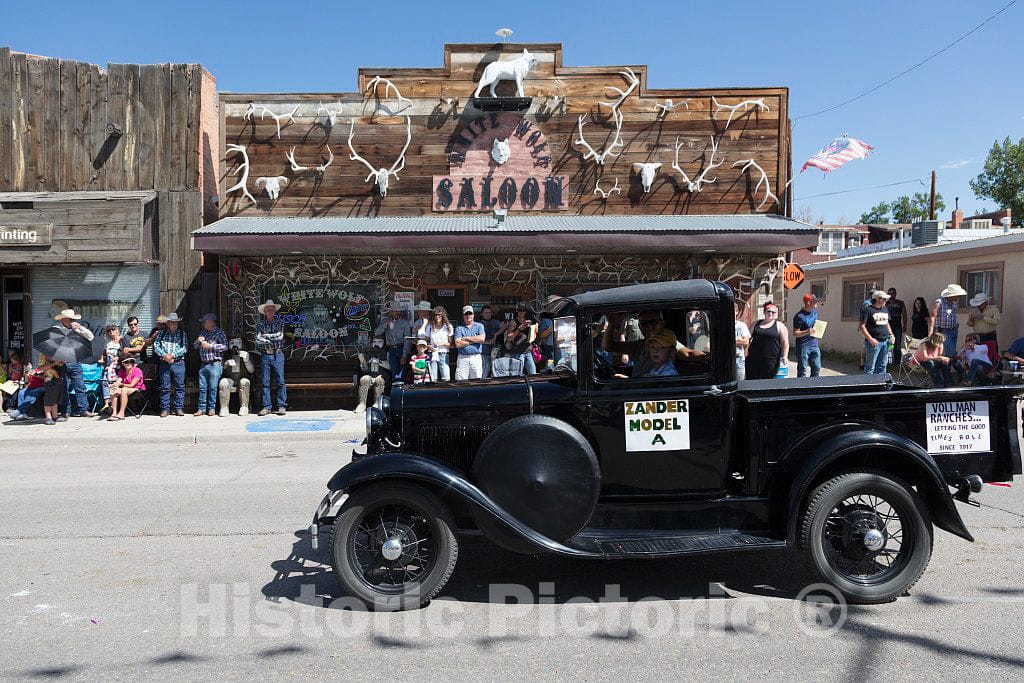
x=331 y=426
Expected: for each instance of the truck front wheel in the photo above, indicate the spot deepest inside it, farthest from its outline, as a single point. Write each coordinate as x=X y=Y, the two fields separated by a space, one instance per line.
x=393 y=546
x=867 y=534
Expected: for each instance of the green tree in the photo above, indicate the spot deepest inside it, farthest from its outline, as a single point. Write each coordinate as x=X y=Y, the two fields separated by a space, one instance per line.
x=1002 y=179
x=903 y=209
x=876 y=214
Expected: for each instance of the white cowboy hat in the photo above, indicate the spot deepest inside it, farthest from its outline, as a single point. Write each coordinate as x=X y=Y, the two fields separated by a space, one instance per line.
x=880 y=294
x=978 y=300
x=262 y=308
x=424 y=306
x=67 y=313
x=551 y=298
x=953 y=290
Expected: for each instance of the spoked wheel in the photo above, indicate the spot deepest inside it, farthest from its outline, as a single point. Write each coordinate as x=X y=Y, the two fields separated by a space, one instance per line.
x=867 y=534
x=393 y=546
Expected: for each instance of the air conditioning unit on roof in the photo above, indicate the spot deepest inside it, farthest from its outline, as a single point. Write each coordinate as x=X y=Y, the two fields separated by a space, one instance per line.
x=926 y=232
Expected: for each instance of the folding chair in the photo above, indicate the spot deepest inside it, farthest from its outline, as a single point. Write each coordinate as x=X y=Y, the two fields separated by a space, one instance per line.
x=908 y=371
x=92 y=375
x=138 y=403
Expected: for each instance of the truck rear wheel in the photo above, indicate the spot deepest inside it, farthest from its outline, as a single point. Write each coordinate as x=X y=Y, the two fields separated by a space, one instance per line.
x=393 y=546
x=867 y=534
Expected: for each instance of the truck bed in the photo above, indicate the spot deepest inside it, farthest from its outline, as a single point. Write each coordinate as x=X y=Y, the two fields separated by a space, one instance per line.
x=815 y=384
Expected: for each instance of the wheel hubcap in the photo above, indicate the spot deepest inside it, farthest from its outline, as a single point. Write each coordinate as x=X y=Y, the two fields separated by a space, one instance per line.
x=392 y=549
x=863 y=539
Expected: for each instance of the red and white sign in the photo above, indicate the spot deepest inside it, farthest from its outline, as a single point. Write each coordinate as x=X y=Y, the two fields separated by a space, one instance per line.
x=500 y=161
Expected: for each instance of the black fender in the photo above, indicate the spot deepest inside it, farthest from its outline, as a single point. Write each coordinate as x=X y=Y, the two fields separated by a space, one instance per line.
x=901 y=456
x=410 y=466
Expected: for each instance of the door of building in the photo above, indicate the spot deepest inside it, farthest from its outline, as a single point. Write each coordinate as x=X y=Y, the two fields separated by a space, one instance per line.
x=452 y=297
x=13 y=323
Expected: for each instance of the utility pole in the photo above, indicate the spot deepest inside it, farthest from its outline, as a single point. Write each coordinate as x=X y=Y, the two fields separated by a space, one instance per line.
x=931 y=202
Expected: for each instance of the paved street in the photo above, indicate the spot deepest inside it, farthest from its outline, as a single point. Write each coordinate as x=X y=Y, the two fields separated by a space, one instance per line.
x=184 y=555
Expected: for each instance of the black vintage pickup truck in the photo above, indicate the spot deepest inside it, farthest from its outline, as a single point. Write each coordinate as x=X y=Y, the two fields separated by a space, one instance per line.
x=657 y=459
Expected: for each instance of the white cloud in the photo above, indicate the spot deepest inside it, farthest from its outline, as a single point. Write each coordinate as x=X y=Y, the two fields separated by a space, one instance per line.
x=958 y=164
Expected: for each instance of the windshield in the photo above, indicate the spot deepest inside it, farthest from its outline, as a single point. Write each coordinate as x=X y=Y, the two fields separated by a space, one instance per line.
x=565 y=342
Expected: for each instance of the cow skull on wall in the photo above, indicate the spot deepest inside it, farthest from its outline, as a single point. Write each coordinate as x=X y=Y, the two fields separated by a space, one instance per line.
x=273 y=185
x=647 y=172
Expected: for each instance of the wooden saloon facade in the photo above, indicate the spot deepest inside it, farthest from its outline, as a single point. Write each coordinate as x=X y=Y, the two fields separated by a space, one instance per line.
x=589 y=180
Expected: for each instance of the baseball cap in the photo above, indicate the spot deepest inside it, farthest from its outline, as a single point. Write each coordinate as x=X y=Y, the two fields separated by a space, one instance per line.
x=810 y=298
x=467 y=309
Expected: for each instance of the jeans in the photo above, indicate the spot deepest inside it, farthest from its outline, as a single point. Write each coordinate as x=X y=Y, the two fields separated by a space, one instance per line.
x=172 y=373
x=949 y=347
x=529 y=365
x=439 y=371
x=273 y=363
x=741 y=368
x=395 y=363
x=808 y=357
x=976 y=373
x=940 y=373
x=469 y=366
x=209 y=378
x=485 y=358
x=73 y=379
x=875 y=357
x=27 y=397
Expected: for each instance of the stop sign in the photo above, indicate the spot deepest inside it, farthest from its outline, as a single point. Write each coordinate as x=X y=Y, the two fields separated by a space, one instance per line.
x=792 y=276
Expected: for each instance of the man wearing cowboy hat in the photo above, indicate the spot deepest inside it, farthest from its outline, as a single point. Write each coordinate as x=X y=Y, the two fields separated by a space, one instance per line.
x=983 y=317
x=211 y=342
x=72 y=372
x=270 y=344
x=170 y=347
x=395 y=330
x=420 y=328
x=944 y=319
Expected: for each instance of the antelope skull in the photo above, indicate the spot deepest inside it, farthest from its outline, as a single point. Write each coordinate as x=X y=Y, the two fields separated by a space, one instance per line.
x=647 y=172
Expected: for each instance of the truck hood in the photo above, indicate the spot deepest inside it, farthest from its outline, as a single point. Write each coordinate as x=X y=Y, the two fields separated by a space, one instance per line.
x=483 y=393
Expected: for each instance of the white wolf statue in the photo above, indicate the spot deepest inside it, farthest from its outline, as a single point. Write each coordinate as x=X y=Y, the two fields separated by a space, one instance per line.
x=238 y=366
x=515 y=69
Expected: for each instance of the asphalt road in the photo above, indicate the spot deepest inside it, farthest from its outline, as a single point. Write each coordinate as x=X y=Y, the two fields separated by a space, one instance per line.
x=180 y=557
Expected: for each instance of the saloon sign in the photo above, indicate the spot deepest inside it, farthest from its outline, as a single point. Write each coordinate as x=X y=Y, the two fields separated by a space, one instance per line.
x=500 y=161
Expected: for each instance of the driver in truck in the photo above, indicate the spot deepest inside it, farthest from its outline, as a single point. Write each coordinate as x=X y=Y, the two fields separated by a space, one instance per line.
x=651 y=323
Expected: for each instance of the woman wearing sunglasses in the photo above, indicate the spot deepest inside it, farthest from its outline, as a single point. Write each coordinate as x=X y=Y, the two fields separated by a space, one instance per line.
x=769 y=345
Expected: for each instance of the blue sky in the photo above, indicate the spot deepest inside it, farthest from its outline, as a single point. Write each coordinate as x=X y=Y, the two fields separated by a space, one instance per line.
x=943 y=116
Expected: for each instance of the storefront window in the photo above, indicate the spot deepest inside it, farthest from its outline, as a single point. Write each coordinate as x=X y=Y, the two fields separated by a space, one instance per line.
x=326 y=315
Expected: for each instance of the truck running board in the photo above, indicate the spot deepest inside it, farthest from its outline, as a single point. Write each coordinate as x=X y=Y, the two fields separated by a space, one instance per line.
x=661 y=545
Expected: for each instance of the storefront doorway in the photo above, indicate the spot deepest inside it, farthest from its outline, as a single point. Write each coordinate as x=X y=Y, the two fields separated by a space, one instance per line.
x=452 y=297
x=13 y=315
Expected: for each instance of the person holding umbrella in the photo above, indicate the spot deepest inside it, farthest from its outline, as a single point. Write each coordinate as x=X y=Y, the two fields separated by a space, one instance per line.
x=71 y=343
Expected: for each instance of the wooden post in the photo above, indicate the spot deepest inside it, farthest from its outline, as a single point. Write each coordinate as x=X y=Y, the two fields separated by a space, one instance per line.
x=931 y=201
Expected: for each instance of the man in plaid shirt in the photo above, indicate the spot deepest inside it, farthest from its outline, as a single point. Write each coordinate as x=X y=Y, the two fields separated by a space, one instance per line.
x=170 y=346
x=270 y=344
x=211 y=343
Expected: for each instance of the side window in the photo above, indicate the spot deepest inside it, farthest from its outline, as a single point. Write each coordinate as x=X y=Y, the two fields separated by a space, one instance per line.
x=651 y=344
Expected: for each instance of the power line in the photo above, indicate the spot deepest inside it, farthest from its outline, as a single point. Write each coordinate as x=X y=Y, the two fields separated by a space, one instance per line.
x=860 y=189
x=906 y=71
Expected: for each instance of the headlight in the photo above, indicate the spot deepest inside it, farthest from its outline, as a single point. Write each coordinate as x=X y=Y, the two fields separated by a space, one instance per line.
x=376 y=419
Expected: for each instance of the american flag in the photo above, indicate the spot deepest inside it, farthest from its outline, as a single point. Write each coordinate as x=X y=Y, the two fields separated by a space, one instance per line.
x=838 y=152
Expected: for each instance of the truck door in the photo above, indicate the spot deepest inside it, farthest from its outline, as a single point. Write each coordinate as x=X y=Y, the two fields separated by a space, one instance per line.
x=659 y=430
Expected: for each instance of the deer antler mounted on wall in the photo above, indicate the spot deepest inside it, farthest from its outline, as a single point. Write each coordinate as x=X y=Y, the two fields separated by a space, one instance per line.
x=668 y=106
x=615 y=189
x=290 y=116
x=330 y=115
x=371 y=87
x=381 y=174
x=290 y=156
x=758 y=104
x=748 y=163
x=599 y=158
x=330 y=160
x=273 y=185
x=243 y=169
x=697 y=185
x=633 y=81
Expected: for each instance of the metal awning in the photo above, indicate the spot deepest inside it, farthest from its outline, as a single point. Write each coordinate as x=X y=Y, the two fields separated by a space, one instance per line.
x=482 y=234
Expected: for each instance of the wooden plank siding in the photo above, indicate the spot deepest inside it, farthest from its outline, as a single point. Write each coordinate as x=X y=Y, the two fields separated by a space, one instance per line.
x=647 y=136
